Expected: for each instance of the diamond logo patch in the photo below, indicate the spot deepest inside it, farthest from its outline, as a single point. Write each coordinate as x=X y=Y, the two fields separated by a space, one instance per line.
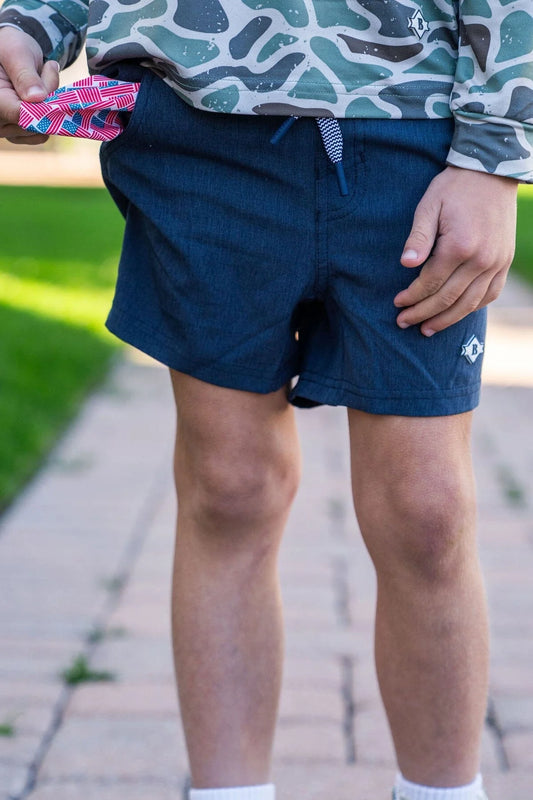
x=418 y=24
x=472 y=349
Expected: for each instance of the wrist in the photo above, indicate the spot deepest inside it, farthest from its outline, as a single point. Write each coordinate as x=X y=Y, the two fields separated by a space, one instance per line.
x=488 y=178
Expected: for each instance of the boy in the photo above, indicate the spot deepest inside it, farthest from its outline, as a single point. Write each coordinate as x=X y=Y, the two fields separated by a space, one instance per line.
x=335 y=255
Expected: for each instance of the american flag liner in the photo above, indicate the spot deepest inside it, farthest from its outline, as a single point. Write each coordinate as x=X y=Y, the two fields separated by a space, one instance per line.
x=89 y=109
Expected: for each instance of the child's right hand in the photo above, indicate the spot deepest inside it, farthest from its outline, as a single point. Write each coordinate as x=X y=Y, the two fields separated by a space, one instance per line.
x=22 y=77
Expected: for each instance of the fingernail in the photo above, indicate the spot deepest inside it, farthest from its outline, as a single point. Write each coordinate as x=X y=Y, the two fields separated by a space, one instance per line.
x=410 y=254
x=55 y=65
x=428 y=332
x=34 y=91
x=403 y=325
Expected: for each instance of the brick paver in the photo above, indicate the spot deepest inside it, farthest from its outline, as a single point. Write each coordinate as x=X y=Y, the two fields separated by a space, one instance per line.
x=85 y=561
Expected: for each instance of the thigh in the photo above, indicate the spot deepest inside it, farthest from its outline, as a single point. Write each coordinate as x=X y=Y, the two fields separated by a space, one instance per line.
x=385 y=446
x=412 y=479
x=232 y=428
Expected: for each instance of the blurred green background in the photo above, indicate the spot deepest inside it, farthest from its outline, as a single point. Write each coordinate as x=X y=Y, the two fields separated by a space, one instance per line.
x=59 y=252
x=523 y=262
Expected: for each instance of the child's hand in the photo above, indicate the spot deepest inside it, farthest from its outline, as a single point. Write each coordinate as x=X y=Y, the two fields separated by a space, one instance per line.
x=22 y=77
x=464 y=234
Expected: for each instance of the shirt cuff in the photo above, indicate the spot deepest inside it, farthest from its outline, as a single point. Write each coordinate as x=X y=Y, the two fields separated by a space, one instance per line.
x=496 y=145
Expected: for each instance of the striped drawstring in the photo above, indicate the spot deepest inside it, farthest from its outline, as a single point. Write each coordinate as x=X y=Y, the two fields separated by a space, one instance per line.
x=331 y=134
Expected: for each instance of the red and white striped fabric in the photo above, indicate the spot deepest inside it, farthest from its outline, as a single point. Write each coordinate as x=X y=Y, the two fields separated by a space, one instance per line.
x=88 y=109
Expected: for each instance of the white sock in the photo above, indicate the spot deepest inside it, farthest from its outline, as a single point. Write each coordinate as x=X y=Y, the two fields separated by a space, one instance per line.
x=405 y=790
x=264 y=791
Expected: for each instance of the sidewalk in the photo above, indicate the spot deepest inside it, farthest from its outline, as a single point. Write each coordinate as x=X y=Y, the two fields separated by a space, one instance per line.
x=88 y=548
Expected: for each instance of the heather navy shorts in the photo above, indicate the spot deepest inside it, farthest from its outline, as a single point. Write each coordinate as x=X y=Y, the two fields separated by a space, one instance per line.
x=243 y=265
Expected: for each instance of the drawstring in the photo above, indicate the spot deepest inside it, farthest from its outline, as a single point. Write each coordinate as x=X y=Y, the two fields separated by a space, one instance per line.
x=331 y=134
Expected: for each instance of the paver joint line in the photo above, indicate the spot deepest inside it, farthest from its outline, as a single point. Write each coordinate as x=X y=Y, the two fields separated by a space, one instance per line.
x=347 y=690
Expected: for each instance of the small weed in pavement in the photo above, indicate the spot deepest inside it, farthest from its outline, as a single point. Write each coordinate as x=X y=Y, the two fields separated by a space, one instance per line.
x=7 y=729
x=114 y=583
x=75 y=464
x=336 y=509
x=513 y=491
x=80 y=671
x=98 y=633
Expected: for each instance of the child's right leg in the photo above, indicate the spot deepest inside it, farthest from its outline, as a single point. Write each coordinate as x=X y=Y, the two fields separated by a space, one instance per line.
x=236 y=470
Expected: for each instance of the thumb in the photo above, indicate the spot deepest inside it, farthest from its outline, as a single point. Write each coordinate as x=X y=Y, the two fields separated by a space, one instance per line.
x=21 y=63
x=50 y=76
x=421 y=240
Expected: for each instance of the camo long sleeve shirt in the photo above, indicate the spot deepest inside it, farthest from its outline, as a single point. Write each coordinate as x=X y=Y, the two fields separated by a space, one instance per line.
x=472 y=59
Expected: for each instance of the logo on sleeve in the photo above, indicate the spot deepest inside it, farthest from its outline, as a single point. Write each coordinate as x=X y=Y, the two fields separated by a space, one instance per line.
x=472 y=349
x=418 y=24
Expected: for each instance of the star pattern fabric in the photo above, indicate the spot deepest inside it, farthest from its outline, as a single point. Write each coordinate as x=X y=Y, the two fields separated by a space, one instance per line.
x=88 y=109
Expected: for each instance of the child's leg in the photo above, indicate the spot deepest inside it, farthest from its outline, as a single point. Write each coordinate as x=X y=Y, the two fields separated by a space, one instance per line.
x=236 y=468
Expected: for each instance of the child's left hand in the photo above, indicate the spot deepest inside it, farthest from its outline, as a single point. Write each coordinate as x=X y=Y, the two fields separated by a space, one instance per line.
x=464 y=230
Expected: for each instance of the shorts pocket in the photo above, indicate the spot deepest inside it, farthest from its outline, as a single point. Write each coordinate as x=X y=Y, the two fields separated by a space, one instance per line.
x=134 y=119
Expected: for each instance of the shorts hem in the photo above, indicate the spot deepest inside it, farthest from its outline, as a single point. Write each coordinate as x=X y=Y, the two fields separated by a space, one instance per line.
x=135 y=334
x=308 y=393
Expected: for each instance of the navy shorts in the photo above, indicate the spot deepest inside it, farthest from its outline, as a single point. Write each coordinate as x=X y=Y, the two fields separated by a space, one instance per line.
x=243 y=265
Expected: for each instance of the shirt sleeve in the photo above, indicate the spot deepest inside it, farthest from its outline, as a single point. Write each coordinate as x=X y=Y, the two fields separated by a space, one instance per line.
x=492 y=98
x=59 y=26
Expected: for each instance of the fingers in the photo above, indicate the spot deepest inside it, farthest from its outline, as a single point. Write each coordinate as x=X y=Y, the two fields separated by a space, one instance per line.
x=9 y=109
x=460 y=296
x=446 y=291
x=467 y=267
x=17 y=135
x=480 y=293
x=421 y=239
x=462 y=275
x=10 y=105
x=452 y=282
x=22 y=60
x=433 y=275
x=22 y=76
x=14 y=131
x=31 y=138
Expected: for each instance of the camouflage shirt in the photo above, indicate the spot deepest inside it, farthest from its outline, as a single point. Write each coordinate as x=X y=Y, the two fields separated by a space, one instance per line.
x=472 y=59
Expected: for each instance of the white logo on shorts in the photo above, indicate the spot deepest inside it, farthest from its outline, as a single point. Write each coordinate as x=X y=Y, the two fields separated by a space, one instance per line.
x=472 y=349
x=418 y=24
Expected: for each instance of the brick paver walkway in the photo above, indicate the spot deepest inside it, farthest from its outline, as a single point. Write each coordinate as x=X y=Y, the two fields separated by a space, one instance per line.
x=85 y=559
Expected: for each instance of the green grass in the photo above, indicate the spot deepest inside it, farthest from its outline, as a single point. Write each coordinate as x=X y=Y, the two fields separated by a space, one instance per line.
x=523 y=261
x=59 y=251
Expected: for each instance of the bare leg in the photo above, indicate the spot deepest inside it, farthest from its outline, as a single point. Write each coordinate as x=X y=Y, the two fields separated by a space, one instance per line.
x=237 y=469
x=415 y=501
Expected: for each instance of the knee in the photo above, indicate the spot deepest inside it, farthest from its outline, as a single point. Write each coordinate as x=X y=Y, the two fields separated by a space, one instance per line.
x=424 y=527
x=238 y=486
x=234 y=492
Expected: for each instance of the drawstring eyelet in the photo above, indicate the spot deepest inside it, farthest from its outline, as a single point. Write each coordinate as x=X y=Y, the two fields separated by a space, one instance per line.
x=331 y=134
